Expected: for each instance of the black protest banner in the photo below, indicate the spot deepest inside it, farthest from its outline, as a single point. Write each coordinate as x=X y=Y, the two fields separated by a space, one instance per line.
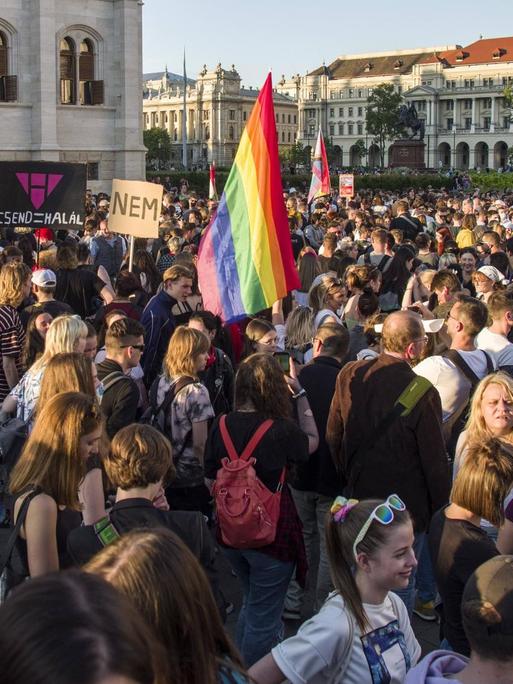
x=42 y=194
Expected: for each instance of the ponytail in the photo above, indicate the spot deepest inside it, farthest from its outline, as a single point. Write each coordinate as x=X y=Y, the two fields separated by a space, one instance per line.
x=340 y=537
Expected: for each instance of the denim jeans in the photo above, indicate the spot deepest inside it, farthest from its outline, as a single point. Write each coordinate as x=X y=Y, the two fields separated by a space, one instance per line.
x=408 y=595
x=311 y=508
x=426 y=584
x=264 y=584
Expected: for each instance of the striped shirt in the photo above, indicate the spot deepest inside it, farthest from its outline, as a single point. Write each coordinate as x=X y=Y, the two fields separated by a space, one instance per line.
x=12 y=339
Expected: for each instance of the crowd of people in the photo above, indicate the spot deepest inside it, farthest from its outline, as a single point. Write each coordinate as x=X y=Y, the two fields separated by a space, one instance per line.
x=353 y=442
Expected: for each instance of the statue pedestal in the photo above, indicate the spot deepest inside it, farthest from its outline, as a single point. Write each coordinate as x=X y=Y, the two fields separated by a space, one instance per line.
x=409 y=153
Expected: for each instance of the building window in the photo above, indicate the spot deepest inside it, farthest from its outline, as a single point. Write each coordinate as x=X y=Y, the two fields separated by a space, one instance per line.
x=350 y=129
x=332 y=129
x=341 y=111
x=283 y=118
x=360 y=93
x=231 y=115
x=288 y=118
x=93 y=171
x=468 y=123
x=295 y=118
x=467 y=104
x=206 y=134
x=67 y=71
x=288 y=136
x=487 y=103
x=283 y=136
x=486 y=122
x=231 y=134
x=487 y=82
x=332 y=112
x=450 y=124
x=468 y=83
x=341 y=129
x=205 y=115
x=359 y=128
x=449 y=105
x=244 y=115
x=311 y=129
x=277 y=118
x=350 y=92
x=360 y=111
x=8 y=82
x=505 y=122
x=350 y=111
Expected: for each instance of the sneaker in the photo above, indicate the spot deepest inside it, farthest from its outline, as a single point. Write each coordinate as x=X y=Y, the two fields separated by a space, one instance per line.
x=425 y=611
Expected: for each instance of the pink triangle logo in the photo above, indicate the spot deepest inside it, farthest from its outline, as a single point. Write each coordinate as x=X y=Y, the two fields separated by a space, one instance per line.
x=39 y=186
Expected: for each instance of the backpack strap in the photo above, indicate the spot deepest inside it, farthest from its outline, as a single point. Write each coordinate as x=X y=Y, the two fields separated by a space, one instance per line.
x=22 y=514
x=463 y=366
x=383 y=262
x=250 y=446
x=176 y=387
x=112 y=378
x=105 y=531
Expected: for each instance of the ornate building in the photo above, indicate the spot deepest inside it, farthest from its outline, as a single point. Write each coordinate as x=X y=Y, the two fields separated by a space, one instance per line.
x=458 y=92
x=70 y=84
x=217 y=110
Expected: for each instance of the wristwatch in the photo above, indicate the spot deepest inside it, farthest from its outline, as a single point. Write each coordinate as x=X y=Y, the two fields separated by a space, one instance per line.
x=301 y=393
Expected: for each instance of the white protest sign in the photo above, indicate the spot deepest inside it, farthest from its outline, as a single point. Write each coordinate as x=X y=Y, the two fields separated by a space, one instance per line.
x=135 y=208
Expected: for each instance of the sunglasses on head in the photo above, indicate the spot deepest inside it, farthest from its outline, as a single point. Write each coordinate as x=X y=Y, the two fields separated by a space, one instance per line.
x=384 y=514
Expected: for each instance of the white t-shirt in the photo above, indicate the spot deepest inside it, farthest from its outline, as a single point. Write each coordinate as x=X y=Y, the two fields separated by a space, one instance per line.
x=318 y=653
x=504 y=357
x=490 y=341
x=452 y=385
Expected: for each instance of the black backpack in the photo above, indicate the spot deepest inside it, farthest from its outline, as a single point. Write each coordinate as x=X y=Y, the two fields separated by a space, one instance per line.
x=156 y=414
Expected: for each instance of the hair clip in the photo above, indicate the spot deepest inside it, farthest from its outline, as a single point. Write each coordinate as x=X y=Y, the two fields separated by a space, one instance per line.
x=341 y=507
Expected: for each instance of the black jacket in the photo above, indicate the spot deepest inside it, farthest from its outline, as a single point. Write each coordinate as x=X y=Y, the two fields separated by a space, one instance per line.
x=318 y=474
x=119 y=402
x=409 y=225
x=219 y=380
x=131 y=514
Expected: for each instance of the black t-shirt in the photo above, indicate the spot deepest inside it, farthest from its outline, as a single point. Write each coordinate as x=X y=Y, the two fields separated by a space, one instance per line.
x=284 y=443
x=53 y=307
x=457 y=549
x=78 y=288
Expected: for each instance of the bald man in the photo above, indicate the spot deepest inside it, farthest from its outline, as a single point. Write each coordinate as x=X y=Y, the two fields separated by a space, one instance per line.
x=406 y=456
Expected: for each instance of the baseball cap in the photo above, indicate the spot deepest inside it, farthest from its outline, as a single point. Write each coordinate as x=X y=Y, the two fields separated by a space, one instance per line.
x=490 y=590
x=44 y=277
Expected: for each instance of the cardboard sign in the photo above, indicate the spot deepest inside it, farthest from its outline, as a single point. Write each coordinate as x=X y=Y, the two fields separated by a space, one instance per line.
x=346 y=185
x=42 y=194
x=135 y=208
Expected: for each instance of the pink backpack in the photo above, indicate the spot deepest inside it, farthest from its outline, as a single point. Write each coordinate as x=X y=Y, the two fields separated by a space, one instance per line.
x=247 y=512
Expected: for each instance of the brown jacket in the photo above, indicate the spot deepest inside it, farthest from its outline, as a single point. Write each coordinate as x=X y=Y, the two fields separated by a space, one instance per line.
x=409 y=459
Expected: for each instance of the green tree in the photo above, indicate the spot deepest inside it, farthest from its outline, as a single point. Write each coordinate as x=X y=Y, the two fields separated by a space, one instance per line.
x=158 y=143
x=294 y=155
x=382 y=117
x=360 y=149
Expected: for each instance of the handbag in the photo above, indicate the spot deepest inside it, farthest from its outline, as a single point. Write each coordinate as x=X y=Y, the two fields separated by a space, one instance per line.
x=13 y=569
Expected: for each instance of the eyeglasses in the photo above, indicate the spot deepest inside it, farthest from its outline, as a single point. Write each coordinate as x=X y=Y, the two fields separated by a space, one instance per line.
x=454 y=319
x=139 y=347
x=384 y=514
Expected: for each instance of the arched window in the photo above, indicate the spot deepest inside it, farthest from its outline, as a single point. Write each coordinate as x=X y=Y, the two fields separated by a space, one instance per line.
x=68 y=76
x=8 y=83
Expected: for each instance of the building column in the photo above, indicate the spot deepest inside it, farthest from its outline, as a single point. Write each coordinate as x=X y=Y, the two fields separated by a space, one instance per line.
x=44 y=83
x=127 y=136
x=473 y=124
x=492 y=116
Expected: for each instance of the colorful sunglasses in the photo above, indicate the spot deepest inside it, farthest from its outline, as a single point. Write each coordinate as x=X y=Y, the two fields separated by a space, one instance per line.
x=384 y=514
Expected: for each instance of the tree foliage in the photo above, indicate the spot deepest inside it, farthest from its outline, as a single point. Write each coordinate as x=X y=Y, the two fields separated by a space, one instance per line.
x=382 y=117
x=507 y=94
x=158 y=143
x=295 y=155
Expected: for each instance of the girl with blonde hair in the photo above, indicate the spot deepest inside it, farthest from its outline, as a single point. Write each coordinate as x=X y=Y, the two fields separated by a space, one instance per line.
x=15 y=284
x=186 y=410
x=48 y=475
x=299 y=333
x=65 y=334
x=326 y=300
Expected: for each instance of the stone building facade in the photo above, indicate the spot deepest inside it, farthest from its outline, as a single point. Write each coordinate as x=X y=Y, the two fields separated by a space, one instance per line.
x=70 y=85
x=217 y=110
x=456 y=90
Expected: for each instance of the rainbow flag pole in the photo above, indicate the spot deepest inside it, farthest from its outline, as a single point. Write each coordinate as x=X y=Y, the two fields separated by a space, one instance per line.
x=245 y=258
x=320 y=185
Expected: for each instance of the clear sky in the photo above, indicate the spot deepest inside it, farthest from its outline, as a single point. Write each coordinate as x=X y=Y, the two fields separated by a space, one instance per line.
x=291 y=37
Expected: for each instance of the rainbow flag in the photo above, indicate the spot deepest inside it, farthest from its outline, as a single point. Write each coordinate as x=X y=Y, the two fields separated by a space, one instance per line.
x=245 y=260
x=320 y=185
x=212 y=191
